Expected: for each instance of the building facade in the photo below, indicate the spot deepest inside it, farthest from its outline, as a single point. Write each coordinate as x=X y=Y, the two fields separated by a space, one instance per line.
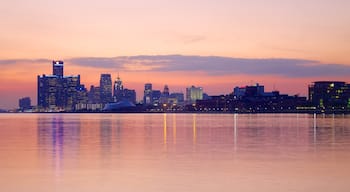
x=330 y=94
x=194 y=93
x=56 y=91
x=24 y=103
x=147 y=94
x=105 y=88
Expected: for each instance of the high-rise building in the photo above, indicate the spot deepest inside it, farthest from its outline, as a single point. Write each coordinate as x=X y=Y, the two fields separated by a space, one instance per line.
x=106 y=88
x=147 y=94
x=57 y=91
x=194 y=93
x=121 y=94
x=94 y=95
x=130 y=95
x=118 y=92
x=156 y=94
x=330 y=94
x=24 y=103
x=165 y=91
x=50 y=92
x=57 y=68
x=71 y=87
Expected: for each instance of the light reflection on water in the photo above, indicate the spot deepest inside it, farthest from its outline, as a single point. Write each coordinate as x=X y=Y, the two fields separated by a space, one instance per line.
x=174 y=152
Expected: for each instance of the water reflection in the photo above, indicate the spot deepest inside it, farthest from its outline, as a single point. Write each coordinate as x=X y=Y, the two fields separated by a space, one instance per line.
x=57 y=138
x=105 y=136
x=66 y=141
x=174 y=152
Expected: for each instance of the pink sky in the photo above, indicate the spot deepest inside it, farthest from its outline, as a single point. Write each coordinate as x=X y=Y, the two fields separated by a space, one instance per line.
x=315 y=30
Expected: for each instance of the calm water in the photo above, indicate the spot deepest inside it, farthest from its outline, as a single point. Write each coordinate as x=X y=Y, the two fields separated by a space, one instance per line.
x=174 y=152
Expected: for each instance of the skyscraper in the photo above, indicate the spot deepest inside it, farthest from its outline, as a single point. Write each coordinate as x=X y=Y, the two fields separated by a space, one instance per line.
x=57 y=68
x=118 y=92
x=147 y=94
x=106 y=88
x=57 y=91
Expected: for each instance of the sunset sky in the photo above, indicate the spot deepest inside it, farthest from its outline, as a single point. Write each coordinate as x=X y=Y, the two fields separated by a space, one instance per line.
x=282 y=44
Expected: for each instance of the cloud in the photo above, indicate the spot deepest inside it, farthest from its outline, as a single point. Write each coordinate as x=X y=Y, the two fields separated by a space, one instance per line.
x=214 y=65
x=27 y=61
x=211 y=65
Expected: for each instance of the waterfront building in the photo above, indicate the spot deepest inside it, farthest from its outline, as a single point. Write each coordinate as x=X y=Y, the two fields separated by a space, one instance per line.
x=57 y=92
x=118 y=90
x=194 y=93
x=24 y=103
x=94 y=95
x=122 y=94
x=105 y=88
x=130 y=95
x=330 y=94
x=147 y=94
x=156 y=95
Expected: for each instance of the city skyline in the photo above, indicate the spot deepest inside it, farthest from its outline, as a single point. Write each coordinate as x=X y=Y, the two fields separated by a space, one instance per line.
x=284 y=45
x=223 y=74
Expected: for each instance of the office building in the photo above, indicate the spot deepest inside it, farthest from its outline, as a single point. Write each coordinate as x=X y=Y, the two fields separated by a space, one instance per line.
x=329 y=94
x=57 y=68
x=105 y=88
x=156 y=95
x=57 y=92
x=165 y=91
x=194 y=93
x=118 y=91
x=24 y=103
x=94 y=95
x=147 y=94
x=122 y=94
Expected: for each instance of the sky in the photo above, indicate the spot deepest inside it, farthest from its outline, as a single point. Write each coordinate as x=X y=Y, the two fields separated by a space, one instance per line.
x=282 y=44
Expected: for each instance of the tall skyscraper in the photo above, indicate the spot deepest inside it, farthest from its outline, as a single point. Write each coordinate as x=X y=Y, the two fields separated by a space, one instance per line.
x=121 y=94
x=147 y=94
x=118 y=92
x=56 y=92
x=194 y=93
x=57 y=68
x=106 y=88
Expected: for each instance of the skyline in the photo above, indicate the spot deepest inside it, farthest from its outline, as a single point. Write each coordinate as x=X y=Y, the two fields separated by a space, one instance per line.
x=291 y=76
x=90 y=36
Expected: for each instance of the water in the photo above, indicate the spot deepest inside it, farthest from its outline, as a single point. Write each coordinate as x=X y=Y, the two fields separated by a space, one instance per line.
x=174 y=152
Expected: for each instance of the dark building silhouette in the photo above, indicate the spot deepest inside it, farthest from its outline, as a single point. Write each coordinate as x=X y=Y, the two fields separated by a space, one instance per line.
x=177 y=97
x=250 y=99
x=165 y=91
x=330 y=94
x=147 y=94
x=94 y=95
x=130 y=95
x=105 y=88
x=57 y=92
x=24 y=103
x=156 y=94
x=118 y=91
x=57 y=68
x=122 y=94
